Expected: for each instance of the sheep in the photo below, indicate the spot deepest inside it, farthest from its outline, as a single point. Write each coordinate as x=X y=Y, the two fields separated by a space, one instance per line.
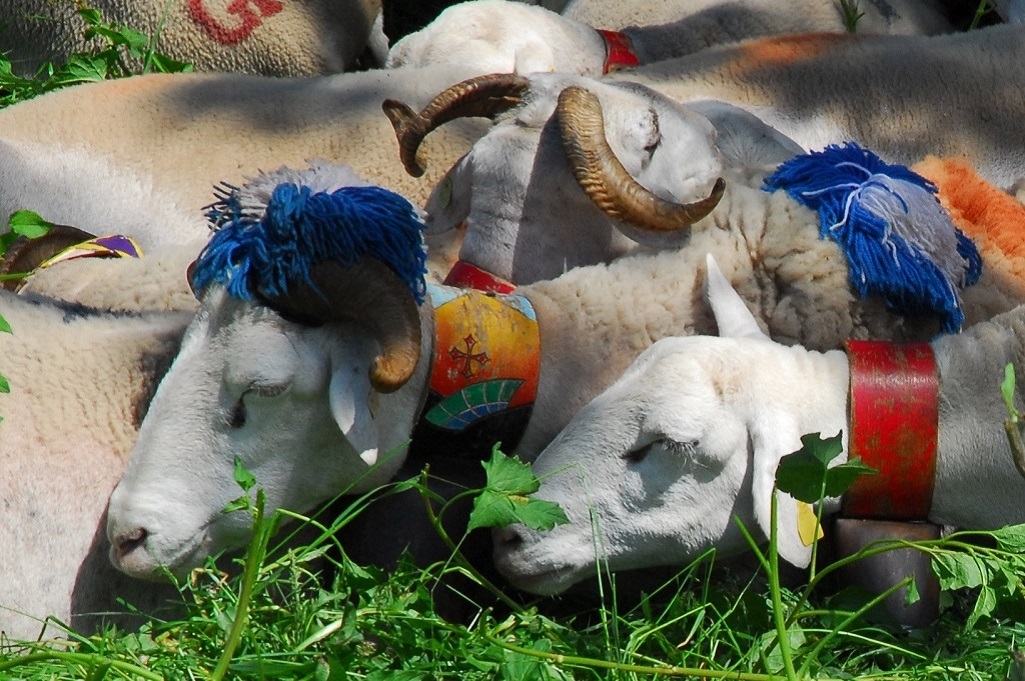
x=79 y=384
x=140 y=156
x=309 y=384
x=266 y=37
x=186 y=133
x=512 y=189
x=500 y=36
x=819 y=89
x=651 y=471
x=516 y=177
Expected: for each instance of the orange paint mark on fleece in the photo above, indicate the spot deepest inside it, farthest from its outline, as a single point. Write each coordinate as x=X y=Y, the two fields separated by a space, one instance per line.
x=990 y=217
x=791 y=49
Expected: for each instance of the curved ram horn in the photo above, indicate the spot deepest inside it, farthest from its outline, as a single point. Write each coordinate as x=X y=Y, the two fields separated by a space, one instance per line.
x=370 y=294
x=24 y=255
x=603 y=177
x=485 y=96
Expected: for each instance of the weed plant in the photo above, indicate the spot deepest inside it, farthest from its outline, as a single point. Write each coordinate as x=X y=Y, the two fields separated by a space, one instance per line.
x=115 y=52
x=309 y=612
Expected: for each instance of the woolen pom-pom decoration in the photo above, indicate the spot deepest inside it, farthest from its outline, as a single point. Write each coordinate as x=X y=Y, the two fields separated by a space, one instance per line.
x=899 y=241
x=261 y=244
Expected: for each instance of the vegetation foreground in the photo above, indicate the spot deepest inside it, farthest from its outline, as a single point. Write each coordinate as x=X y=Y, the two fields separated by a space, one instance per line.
x=309 y=612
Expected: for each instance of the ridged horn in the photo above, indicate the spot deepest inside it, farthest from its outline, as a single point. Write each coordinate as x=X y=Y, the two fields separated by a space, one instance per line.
x=370 y=294
x=602 y=176
x=24 y=255
x=485 y=96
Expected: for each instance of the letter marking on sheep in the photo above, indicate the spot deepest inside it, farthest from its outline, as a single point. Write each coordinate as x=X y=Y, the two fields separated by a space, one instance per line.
x=249 y=19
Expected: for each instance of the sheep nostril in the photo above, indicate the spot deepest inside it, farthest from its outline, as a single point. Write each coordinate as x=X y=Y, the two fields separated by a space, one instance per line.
x=509 y=537
x=129 y=541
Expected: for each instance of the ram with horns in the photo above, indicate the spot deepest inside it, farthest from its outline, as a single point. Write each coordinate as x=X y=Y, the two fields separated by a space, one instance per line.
x=766 y=100
x=576 y=171
x=318 y=352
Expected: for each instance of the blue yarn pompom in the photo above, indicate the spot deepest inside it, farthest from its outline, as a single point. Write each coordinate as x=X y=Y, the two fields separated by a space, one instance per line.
x=899 y=242
x=263 y=247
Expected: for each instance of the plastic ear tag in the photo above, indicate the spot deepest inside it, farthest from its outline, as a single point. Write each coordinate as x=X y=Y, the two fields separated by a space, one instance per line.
x=806 y=524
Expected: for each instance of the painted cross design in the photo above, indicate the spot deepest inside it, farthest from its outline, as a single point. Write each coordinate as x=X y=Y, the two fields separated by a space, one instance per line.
x=249 y=18
x=468 y=357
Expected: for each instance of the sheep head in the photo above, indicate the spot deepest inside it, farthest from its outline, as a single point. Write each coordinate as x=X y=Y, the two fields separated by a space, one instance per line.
x=653 y=470
x=574 y=171
x=303 y=390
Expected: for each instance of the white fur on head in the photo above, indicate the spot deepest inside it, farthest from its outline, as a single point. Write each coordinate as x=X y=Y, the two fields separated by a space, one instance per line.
x=654 y=470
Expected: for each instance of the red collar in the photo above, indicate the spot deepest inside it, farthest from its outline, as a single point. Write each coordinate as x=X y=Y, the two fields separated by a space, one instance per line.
x=894 y=423
x=619 y=52
x=465 y=275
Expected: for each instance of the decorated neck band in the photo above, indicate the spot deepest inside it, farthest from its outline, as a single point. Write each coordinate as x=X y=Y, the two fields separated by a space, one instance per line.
x=484 y=372
x=619 y=51
x=894 y=419
x=467 y=275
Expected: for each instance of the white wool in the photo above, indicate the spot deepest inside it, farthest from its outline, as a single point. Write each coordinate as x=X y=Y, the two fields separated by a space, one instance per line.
x=79 y=385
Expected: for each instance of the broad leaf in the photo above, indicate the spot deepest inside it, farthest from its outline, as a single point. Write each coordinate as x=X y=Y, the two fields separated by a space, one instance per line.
x=806 y=474
x=28 y=224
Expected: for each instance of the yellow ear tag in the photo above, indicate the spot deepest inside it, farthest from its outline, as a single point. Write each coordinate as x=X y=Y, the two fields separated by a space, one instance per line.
x=806 y=524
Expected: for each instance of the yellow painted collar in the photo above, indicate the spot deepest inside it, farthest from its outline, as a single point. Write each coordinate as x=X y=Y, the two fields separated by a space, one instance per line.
x=484 y=371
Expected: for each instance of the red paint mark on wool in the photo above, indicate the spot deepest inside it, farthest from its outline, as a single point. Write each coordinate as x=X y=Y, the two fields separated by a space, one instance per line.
x=250 y=15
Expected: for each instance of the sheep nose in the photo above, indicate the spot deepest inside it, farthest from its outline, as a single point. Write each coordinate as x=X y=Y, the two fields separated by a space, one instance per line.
x=125 y=543
x=509 y=538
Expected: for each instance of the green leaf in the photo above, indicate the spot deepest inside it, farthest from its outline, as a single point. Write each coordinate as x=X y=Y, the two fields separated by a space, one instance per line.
x=985 y=604
x=541 y=515
x=244 y=478
x=240 y=504
x=806 y=474
x=504 y=499
x=28 y=224
x=1010 y=538
x=5 y=386
x=5 y=327
x=957 y=570
x=491 y=509
x=1007 y=390
x=912 y=596
x=509 y=476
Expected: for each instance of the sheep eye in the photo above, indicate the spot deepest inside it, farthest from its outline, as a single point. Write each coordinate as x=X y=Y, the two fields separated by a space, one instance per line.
x=638 y=455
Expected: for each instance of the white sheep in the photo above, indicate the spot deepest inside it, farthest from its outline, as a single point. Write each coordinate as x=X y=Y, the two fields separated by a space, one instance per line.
x=531 y=203
x=527 y=219
x=653 y=471
x=822 y=88
x=500 y=36
x=306 y=388
x=182 y=134
x=140 y=156
x=80 y=381
x=267 y=37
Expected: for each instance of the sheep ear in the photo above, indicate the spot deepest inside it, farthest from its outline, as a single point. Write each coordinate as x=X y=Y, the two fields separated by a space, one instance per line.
x=731 y=313
x=772 y=438
x=449 y=202
x=350 y=395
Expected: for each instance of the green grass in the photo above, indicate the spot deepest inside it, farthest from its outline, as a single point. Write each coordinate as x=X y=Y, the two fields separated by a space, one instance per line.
x=308 y=612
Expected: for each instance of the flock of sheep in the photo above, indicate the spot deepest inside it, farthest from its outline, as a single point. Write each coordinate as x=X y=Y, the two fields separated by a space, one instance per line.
x=621 y=200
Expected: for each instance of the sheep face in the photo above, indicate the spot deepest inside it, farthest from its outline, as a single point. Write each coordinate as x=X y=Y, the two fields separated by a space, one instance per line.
x=291 y=403
x=527 y=216
x=653 y=471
